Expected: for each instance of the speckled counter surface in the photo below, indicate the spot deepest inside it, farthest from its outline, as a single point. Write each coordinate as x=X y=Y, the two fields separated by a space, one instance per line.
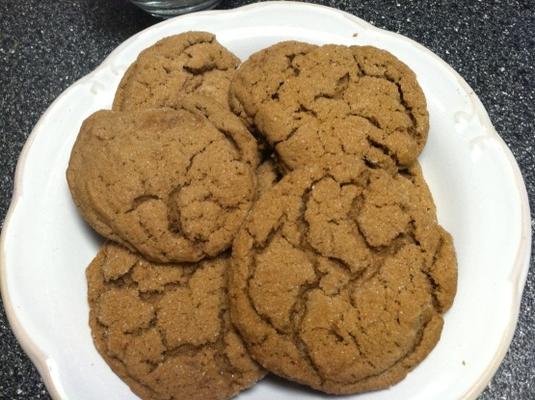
x=46 y=45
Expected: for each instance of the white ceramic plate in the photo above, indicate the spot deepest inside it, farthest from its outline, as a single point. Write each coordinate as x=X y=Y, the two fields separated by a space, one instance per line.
x=479 y=193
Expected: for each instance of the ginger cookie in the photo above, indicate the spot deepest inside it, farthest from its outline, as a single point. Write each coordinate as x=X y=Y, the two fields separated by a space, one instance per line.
x=173 y=185
x=191 y=62
x=340 y=276
x=165 y=329
x=309 y=101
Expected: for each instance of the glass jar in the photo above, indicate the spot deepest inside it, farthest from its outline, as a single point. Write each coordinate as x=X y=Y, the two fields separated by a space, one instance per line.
x=170 y=8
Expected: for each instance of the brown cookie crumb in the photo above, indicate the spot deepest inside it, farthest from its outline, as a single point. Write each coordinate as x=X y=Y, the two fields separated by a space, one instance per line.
x=340 y=276
x=191 y=62
x=165 y=329
x=173 y=185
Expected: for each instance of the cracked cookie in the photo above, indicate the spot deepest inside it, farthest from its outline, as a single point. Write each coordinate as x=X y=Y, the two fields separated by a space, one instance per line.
x=173 y=185
x=191 y=62
x=165 y=329
x=340 y=276
x=309 y=101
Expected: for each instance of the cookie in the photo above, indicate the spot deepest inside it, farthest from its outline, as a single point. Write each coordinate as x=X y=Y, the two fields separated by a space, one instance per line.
x=165 y=329
x=309 y=101
x=173 y=185
x=191 y=62
x=340 y=276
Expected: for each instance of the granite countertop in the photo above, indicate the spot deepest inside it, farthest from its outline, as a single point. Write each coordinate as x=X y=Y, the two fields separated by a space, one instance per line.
x=47 y=45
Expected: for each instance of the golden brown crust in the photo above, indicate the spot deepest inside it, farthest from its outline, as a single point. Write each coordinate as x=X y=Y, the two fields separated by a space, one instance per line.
x=340 y=275
x=191 y=62
x=173 y=185
x=267 y=175
x=261 y=75
x=165 y=329
x=309 y=101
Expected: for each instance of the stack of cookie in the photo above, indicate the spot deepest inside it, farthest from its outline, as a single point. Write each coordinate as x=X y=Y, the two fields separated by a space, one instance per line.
x=268 y=216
